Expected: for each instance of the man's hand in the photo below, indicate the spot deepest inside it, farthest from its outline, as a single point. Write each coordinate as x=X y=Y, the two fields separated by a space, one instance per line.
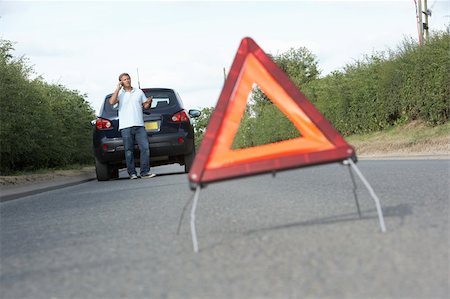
x=113 y=98
x=147 y=103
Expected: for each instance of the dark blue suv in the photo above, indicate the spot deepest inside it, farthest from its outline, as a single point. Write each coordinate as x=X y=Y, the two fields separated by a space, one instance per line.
x=169 y=128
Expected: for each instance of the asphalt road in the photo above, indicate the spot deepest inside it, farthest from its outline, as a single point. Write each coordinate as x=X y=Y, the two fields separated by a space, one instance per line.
x=297 y=235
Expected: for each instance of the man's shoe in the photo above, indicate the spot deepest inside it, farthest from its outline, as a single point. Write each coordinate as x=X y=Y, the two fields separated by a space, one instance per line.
x=133 y=177
x=148 y=175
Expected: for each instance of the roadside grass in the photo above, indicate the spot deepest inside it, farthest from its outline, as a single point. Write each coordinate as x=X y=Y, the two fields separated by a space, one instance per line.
x=415 y=138
x=38 y=175
x=50 y=170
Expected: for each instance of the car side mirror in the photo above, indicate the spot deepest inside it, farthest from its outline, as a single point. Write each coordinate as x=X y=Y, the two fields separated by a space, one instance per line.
x=194 y=113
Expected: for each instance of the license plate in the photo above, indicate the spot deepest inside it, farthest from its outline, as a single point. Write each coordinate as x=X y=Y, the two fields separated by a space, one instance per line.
x=151 y=125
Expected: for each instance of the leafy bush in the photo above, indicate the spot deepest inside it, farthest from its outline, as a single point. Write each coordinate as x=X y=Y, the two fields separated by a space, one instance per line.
x=388 y=89
x=200 y=125
x=41 y=125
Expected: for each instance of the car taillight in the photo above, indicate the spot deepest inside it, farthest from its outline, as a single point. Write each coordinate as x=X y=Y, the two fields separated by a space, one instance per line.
x=103 y=124
x=180 y=117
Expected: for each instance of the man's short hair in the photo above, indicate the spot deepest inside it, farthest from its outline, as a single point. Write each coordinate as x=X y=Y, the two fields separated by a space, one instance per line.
x=124 y=74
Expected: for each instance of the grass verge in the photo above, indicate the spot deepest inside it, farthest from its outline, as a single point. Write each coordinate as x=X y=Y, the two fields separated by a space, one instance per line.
x=27 y=177
x=415 y=138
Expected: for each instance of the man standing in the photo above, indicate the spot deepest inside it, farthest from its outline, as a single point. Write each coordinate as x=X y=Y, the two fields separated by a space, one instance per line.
x=132 y=101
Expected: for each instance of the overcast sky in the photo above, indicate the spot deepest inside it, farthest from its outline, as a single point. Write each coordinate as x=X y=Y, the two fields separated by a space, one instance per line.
x=185 y=45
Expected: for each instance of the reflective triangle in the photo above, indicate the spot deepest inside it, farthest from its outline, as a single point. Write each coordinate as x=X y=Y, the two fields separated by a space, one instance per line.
x=319 y=141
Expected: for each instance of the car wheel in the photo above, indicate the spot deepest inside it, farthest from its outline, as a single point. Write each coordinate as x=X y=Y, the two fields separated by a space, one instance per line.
x=188 y=160
x=114 y=173
x=102 y=171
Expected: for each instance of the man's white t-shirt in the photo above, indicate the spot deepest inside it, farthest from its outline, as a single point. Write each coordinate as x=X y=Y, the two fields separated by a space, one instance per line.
x=130 y=108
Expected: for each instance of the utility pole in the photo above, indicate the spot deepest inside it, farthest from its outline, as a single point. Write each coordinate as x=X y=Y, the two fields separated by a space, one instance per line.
x=419 y=8
x=425 y=24
x=422 y=24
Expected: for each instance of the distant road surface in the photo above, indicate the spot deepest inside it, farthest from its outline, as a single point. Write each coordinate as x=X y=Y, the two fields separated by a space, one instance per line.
x=297 y=235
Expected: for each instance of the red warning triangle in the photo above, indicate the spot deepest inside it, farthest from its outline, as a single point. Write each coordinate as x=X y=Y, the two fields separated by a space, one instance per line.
x=319 y=141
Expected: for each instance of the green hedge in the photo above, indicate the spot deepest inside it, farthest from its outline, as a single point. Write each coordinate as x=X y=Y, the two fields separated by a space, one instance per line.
x=41 y=125
x=388 y=89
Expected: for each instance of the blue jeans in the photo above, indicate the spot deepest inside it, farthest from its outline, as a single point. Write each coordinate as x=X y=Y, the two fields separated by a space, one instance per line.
x=129 y=136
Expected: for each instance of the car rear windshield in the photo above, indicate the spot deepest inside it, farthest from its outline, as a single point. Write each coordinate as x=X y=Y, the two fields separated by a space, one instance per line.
x=161 y=99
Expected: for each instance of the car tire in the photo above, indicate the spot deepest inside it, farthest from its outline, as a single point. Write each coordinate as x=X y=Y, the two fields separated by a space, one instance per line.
x=113 y=173
x=102 y=171
x=188 y=160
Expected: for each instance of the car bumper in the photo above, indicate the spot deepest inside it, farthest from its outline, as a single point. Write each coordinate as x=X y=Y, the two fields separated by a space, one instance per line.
x=162 y=148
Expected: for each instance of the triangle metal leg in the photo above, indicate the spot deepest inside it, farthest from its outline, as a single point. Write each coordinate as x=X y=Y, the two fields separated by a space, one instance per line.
x=354 y=190
x=193 y=209
x=372 y=193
